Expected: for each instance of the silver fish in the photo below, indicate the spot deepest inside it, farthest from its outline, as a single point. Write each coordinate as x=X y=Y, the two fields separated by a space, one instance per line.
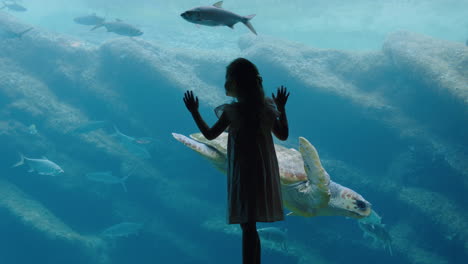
x=13 y=34
x=13 y=6
x=275 y=235
x=92 y=126
x=42 y=166
x=122 y=230
x=32 y=129
x=89 y=20
x=121 y=28
x=372 y=227
x=215 y=15
x=145 y=141
x=132 y=145
x=124 y=139
x=108 y=178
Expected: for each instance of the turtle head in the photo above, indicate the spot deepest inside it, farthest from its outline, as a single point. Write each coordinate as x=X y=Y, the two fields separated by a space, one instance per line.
x=349 y=202
x=355 y=204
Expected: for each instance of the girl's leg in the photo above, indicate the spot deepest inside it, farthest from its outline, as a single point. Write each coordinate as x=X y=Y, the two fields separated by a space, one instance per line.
x=259 y=253
x=250 y=243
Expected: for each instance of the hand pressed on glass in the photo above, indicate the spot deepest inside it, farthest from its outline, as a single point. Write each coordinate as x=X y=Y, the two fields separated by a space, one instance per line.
x=191 y=101
x=281 y=97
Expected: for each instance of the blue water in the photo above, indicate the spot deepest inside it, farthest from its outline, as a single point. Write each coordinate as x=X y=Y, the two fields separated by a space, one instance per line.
x=378 y=87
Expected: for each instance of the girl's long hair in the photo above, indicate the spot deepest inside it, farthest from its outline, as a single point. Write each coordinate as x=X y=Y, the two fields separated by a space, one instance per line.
x=249 y=83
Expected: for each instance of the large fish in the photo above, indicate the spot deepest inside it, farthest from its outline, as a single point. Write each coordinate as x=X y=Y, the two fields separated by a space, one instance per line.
x=13 y=6
x=215 y=15
x=42 y=166
x=89 y=20
x=122 y=230
x=121 y=28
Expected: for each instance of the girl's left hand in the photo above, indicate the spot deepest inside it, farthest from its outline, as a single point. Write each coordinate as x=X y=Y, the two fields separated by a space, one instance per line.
x=281 y=97
x=191 y=101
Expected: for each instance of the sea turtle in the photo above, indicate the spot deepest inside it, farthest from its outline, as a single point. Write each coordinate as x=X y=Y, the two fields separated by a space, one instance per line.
x=306 y=186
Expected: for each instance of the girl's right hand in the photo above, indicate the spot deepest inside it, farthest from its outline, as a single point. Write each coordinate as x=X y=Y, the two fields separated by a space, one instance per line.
x=281 y=97
x=191 y=101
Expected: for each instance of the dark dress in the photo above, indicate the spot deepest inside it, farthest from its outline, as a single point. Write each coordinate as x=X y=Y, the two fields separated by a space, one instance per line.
x=254 y=188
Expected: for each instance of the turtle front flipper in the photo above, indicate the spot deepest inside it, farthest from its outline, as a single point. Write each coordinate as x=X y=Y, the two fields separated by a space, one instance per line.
x=318 y=178
x=209 y=152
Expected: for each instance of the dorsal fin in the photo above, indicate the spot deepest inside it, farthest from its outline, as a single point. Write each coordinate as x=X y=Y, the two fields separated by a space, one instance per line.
x=118 y=20
x=218 y=4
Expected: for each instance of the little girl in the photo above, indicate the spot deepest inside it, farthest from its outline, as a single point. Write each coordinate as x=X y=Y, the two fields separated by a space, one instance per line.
x=254 y=190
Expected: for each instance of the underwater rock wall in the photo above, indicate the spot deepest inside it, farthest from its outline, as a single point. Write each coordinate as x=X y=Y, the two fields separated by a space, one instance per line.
x=400 y=107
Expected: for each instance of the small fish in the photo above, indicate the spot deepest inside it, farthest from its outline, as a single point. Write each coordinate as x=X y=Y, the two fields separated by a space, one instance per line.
x=121 y=28
x=124 y=139
x=372 y=227
x=42 y=166
x=145 y=141
x=275 y=235
x=122 y=230
x=91 y=126
x=132 y=145
x=89 y=20
x=108 y=178
x=216 y=16
x=13 y=34
x=13 y=6
x=32 y=129
x=379 y=234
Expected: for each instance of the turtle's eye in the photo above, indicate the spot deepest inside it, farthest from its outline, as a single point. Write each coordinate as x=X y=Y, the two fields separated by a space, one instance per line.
x=361 y=205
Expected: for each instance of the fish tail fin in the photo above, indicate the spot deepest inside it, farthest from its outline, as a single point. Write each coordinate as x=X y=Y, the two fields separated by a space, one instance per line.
x=247 y=23
x=97 y=26
x=285 y=246
x=124 y=186
x=19 y=163
x=24 y=32
x=124 y=179
x=116 y=131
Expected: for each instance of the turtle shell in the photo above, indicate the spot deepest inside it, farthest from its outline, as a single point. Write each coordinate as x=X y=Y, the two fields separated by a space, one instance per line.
x=290 y=161
x=292 y=171
x=306 y=186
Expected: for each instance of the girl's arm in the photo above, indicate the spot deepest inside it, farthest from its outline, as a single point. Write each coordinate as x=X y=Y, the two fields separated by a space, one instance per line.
x=213 y=132
x=191 y=103
x=281 y=128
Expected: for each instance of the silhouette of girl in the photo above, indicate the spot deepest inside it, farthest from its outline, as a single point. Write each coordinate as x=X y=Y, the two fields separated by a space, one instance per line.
x=254 y=189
